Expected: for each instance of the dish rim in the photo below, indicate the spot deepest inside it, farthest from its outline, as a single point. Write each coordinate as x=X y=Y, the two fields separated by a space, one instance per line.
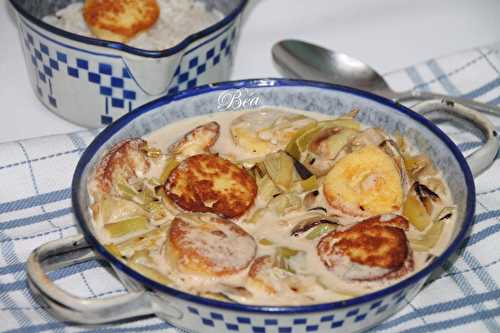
x=184 y=43
x=108 y=132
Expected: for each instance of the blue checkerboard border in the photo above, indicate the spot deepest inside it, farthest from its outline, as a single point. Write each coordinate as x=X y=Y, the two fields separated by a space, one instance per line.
x=109 y=80
x=332 y=321
x=187 y=73
x=114 y=83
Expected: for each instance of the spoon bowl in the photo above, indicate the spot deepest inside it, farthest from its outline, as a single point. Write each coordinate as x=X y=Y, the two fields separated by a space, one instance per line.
x=298 y=59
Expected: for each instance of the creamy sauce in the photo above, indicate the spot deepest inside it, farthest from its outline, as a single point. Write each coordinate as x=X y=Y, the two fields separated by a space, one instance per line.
x=314 y=280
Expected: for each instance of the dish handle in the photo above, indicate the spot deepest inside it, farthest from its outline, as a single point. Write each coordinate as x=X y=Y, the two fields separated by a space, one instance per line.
x=446 y=109
x=70 y=251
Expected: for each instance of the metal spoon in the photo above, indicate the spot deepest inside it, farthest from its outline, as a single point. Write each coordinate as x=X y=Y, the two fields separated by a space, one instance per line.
x=298 y=59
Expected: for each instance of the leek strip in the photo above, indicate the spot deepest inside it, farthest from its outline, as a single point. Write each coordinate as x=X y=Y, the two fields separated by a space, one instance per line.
x=320 y=230
x=416 y=213
x=128 y=226
x=259 y=213
x=307 y=185
x=287 y=252
x=150 y=273
x=266 y=242
x=280 y=168
x=126 y=191
x=170 y=165
x=283 y=255
x=306 y=138
x=279 y=204
x=139 y=242
x=267 y=188
x=341 y=122
x=430 y=238
x=217 y=296
x=140 y=255
x=156 y=209
x=292 y=148
x=114 y=250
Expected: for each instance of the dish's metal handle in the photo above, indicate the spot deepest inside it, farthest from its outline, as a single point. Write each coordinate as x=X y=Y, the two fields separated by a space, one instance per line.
x=446 y=109
x=70 y=251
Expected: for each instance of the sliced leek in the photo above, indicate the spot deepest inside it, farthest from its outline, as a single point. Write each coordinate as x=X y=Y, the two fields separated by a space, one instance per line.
x=157 y=210
x=336 y=142
x=280 y=168
x=267 y=188
x=144 y=241
x=292 y=147
x=416 y=213
x=153 y=182
x=111 y=209
x=266 y=242
x=146 y=196
x=283 y=256
x=294 y=203
x=286 y=252
x=341 y=122
x=125 y=190
x=304 y=140
x=436 y=185
x=114 y=250
x=257 y=216
x=150 y=273
x=419 y=163
x=140 y=256
x=320 y=230
x=170 y=165
x=278 y=204
x=217 y=296
x=430 y=239
x=128 y=226
x=306 y=185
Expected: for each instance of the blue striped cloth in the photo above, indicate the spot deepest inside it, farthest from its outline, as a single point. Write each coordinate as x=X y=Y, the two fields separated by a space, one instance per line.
x=35 y=175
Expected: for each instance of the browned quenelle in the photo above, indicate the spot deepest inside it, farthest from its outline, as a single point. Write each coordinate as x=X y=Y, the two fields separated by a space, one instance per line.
x=209 y=183
x=208 y=245
x=378 y=246
x=119 y=20
x=199 y=140
x=256 y=274
x=365 y=182
x=123 y=161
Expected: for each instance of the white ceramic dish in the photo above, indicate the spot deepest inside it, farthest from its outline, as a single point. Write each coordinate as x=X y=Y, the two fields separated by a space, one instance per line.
x=200 y=314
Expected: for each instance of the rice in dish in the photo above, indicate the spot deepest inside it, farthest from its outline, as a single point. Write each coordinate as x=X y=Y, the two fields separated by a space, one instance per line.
x=145 y=24
x=271 y=206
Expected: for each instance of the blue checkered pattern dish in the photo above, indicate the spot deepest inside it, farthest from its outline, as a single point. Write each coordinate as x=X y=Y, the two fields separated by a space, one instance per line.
x=353 y=317
x=205 y=315
x=92 y=82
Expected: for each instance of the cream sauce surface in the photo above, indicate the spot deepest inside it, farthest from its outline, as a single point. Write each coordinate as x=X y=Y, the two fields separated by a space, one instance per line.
x=315 y=282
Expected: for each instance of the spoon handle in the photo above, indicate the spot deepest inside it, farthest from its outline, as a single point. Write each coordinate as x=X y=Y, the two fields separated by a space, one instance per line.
x=424 y=95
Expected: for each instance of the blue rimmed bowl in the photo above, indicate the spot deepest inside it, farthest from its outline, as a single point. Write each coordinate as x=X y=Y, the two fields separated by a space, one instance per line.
x=92 y=82
x=200 y=314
